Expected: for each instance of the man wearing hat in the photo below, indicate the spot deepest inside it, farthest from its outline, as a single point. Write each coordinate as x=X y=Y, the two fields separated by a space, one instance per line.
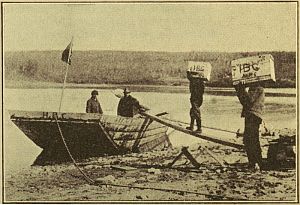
x=93 y=105
x=128 y=105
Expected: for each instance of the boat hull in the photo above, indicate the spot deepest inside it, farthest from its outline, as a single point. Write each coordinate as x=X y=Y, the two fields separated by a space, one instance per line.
x=88 y=134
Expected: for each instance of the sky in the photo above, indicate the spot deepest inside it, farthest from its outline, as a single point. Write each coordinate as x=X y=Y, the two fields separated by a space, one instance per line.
x=175 y=27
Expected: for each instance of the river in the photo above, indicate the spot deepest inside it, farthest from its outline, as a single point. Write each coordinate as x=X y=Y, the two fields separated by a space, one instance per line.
x=217 y=111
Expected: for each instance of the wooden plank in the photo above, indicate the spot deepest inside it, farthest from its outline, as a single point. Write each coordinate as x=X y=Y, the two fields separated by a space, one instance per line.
x=125 y=137
x=120 y=124
x=132 y=130
x=201 y=136
x=152 y=137
x=119 y=120
x=119 y=136
x=149 y=133
x=188 y=155
x=155 y=125
x=142 y=140
x=141 y=133
x=155 y=144
x=123 y=168
x=175 y=159
x=108 y=136
x=51 y=115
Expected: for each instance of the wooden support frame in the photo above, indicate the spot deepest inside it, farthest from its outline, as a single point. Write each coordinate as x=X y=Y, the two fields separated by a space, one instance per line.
x=189 y=156
x=141 y=133
x=192 y=159
x=108 y=137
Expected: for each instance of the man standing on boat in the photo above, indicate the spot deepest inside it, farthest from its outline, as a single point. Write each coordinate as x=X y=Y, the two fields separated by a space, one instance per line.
x=93 y=105
x=129 y=106
x=253 y=105
x=196 y=99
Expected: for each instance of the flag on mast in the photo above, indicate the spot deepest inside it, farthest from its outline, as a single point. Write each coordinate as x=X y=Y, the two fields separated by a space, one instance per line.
x=66 y=55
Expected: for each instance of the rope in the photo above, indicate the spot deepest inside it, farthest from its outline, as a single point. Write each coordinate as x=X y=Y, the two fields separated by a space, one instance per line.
x=170 y=190
x=92 y=182
x=213 y=128
x=88 y=179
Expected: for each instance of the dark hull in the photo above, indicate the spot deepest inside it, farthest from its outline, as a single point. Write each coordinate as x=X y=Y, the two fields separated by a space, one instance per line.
x=88 y=135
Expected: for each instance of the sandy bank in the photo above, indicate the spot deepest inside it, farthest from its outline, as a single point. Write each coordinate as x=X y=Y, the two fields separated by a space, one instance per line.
x=149 y=170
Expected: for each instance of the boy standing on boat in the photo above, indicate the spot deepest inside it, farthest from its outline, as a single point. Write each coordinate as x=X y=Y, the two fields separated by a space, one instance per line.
x=129 y=106
x=253 y=105
x=196 y=99
x=93 y=105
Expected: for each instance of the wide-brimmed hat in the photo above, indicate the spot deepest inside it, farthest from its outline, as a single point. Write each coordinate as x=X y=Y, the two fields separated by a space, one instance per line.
x=94 y=92
x=126 y=91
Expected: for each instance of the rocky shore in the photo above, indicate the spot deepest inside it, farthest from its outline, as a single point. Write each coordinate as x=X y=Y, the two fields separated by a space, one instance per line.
x=147 y=177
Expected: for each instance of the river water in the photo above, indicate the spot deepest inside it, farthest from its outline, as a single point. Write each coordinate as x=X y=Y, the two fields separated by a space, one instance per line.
x=217 y=111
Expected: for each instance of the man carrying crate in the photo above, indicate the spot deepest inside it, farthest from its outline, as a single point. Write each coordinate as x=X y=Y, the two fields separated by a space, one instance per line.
x=197 y=73
x=196 y=99
x=252 y=72
x=253 y=106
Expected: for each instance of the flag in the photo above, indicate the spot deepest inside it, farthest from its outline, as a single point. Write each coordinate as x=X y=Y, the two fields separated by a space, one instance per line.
x=66 y=55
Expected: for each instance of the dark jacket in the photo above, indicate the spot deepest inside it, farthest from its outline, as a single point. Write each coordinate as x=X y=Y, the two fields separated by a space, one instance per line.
x=128 y=106
x=93 y=106
x=196 y=88
x=252 y=101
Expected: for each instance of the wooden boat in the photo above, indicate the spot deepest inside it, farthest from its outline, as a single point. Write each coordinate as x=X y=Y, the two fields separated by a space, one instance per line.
x=88 y=134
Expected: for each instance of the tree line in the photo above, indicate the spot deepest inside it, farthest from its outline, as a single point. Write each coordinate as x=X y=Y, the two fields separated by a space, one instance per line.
x=135 y=67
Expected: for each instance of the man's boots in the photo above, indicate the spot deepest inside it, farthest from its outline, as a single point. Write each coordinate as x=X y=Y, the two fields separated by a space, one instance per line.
x=199 y=130
x=191 y=127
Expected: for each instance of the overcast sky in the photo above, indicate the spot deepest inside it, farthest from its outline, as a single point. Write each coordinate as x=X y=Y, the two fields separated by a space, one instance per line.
x=229 y=27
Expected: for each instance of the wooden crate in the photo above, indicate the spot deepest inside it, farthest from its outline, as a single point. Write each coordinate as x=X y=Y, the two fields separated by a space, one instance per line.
x=253 y=69
x=199 y=69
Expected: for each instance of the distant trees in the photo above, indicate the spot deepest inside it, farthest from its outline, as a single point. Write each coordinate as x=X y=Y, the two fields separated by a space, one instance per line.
x=132 y=67
x=28 y=69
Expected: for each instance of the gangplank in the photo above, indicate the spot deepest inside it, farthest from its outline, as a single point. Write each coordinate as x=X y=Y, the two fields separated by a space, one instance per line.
x=215 y=139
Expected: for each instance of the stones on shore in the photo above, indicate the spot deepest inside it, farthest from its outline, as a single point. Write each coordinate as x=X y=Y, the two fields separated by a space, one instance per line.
x=106 y=179
x=154 y=171
x=123 y=168
x=66 y=183
x=91 y=166
x=142 y=197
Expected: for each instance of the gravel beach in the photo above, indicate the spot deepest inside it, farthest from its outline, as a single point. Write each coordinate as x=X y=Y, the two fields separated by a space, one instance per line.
x=146 y=177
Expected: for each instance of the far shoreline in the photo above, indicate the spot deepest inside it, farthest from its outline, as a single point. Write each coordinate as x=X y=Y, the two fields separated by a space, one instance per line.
x=222 y=91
